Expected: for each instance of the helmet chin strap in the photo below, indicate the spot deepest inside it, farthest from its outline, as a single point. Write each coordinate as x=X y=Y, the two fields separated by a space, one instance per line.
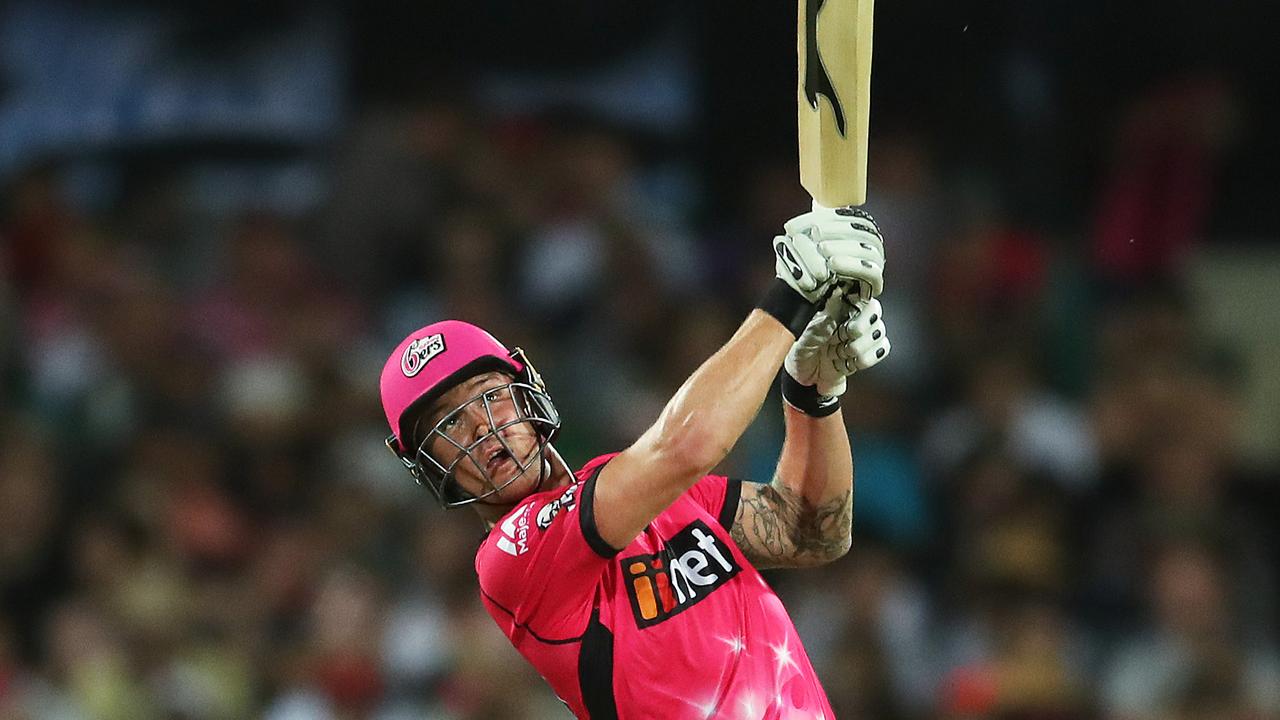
x=544 y=471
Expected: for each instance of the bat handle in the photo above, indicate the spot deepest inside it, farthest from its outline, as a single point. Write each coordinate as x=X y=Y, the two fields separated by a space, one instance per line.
x=818 y=207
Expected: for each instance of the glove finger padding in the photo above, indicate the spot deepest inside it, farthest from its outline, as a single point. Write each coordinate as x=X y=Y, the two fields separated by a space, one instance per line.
x=801 y=265
x=867 y=352
x=854 y=217
x=862 y=340
x=831 y=229
x=867 y=273
x=854 y=251
x=862 y=316
x=827 y=245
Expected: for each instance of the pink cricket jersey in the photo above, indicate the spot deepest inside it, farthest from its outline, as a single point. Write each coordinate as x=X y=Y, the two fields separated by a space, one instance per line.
x=676 y=626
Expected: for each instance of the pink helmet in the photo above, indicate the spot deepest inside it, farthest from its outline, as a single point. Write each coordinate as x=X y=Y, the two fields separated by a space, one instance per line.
x=429 y=362
x=432 y=360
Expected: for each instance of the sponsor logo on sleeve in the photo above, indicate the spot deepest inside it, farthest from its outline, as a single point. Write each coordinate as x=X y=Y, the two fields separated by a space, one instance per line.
x=420 y=352
x=692 y=565
x=566 y=501
x=514 y=529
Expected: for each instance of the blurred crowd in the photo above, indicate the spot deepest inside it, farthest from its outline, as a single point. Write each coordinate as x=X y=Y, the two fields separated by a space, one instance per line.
x=199 y=521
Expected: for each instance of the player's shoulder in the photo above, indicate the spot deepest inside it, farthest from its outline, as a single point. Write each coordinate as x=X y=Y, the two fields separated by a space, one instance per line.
x=593 y=466
x=510 y=536
x=514 y=534
x=547 y=505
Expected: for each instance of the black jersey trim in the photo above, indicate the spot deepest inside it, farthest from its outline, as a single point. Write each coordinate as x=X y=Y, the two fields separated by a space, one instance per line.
x=595 y=670
x=732 y=496
x=536 y=636
x=587 y=518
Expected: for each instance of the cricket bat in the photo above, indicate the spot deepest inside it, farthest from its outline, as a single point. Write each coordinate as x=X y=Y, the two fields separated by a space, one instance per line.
x=833 y=45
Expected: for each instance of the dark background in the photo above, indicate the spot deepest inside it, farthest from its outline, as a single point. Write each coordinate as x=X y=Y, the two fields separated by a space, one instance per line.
x=217 y=218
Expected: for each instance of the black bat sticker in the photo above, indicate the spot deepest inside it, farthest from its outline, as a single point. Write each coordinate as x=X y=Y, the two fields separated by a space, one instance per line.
x=816 y=80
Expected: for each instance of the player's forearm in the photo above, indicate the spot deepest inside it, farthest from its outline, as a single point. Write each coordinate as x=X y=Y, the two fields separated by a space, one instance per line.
x=711 y=410
x=815 y=478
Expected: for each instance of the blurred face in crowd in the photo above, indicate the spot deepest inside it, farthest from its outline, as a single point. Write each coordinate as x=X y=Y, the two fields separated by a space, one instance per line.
x=1189 y=592
x=478 y=430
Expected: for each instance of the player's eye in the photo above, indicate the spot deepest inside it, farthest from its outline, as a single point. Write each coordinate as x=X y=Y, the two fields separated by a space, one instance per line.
x=498 y=397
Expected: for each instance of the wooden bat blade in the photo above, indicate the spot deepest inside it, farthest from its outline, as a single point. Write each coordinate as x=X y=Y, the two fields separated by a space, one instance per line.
x=833 y=89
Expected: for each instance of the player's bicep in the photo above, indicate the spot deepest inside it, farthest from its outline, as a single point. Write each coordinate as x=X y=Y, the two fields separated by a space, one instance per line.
x=776 y=528
x=634 y=487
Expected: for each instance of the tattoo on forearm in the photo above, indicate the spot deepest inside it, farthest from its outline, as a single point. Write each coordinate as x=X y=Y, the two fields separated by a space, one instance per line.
x=776 y=527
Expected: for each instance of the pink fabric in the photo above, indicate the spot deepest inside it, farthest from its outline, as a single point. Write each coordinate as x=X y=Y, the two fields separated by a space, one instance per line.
x=702 y=635
x=428 y=356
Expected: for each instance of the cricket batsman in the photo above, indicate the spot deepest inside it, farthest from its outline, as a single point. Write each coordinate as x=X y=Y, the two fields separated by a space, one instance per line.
x=632 y=583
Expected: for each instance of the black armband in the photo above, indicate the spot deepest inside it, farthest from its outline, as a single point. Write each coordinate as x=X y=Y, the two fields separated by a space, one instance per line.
x=786 y=305
x=805 y=398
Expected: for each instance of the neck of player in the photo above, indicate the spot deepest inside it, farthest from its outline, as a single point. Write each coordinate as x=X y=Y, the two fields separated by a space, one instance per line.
x=558 y=476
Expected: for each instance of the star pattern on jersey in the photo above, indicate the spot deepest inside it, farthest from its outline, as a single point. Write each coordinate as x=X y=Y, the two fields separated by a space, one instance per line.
x=706 y=710
x=754 y=703
x=736 y=643
x=782 y=657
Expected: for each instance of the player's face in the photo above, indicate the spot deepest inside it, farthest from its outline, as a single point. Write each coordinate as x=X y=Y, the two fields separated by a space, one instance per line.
x=480 y=433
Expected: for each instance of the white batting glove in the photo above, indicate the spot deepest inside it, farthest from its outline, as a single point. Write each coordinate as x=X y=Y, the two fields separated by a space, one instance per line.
x=812 y=359
x=802 y=266
x=862 y=340
x=841 y=339
x=829 y=246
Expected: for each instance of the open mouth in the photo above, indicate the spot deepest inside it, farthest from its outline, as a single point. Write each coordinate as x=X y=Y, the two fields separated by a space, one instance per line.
x=496 y=458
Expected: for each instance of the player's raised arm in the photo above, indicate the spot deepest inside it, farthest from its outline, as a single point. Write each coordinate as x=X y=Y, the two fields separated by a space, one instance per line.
x=804 y=515
x=704 y=419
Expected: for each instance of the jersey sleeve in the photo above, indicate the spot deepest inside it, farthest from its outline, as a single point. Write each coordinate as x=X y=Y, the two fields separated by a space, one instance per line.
x=719 y=496
x=543 y=564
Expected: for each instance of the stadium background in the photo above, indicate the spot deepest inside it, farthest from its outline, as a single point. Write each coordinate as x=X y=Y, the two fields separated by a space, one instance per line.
x=217 y=217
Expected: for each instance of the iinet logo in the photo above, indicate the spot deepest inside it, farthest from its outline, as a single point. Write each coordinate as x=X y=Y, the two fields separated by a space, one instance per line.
x=691 y=566
x=515 y=532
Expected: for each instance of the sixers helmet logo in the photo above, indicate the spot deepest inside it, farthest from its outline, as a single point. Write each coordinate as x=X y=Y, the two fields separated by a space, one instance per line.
x=420 y=352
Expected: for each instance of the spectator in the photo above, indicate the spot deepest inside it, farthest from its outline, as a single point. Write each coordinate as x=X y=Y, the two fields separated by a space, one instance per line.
x=1191 y=656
